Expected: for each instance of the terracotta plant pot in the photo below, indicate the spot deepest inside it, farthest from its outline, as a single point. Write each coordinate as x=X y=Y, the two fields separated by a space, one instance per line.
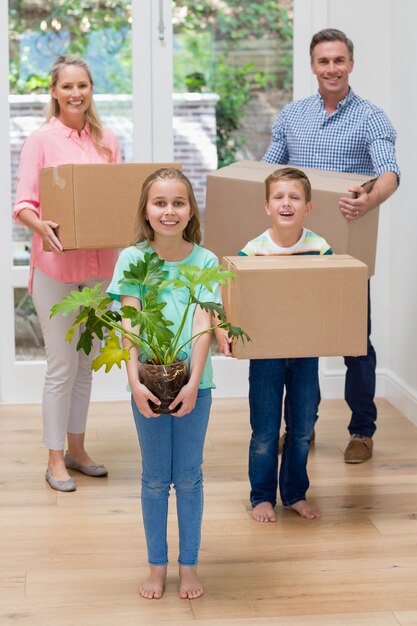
x=165 y=381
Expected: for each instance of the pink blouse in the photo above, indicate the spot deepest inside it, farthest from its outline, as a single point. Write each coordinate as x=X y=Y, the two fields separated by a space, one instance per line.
x=56 y=144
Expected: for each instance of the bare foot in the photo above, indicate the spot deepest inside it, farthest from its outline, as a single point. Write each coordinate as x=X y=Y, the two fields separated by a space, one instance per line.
x=264 y=512
x=154 y=585
x=303 y=508
x=190 y=586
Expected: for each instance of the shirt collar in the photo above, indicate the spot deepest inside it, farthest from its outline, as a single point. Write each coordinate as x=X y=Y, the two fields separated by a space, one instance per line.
x=343 y=102
x=67 y=131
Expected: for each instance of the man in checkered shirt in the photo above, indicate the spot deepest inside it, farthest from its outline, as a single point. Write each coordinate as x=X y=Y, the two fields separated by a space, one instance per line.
x=337 y=130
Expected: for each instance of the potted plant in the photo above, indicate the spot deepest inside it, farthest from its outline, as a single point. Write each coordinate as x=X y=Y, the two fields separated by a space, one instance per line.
x=161 y=351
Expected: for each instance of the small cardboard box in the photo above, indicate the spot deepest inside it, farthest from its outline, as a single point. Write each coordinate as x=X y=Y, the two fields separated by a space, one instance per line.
x=235 y=211
x=298 y=306
x=95 y=205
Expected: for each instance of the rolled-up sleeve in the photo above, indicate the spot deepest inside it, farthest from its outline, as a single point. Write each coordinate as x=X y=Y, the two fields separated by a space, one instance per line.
x=31 y=162
x=381 y=138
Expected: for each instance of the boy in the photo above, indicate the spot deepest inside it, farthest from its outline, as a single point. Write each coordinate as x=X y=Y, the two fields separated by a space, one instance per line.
x=288 y=200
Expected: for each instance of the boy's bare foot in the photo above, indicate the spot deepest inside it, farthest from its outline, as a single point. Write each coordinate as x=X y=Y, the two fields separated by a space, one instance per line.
x=303 y=508
x=190 y=586
x=264 y=512
x=154 y=585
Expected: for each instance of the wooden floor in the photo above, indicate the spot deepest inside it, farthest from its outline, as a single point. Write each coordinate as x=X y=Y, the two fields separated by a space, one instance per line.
x=77 y=559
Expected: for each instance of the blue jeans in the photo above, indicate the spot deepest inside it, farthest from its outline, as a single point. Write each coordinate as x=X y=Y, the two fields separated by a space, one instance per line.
x=172 y=453
x=360 y=387
x=267 y=379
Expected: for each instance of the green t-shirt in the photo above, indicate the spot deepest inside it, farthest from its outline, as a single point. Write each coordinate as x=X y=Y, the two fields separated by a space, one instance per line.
x=176 y=299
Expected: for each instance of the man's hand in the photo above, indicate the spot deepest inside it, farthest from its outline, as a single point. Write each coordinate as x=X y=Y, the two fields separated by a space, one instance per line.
x=363 y=201
x=356 y=207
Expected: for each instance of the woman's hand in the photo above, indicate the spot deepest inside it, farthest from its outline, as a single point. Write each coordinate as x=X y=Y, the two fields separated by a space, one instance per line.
x=188 y=397
x=142 y=396
x=46 y=230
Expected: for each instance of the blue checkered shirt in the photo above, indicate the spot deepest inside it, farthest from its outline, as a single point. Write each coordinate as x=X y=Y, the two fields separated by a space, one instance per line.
x=357 y=138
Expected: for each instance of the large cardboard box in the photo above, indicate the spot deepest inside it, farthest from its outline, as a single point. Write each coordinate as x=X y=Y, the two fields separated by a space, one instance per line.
x=235 y=211
x=95 y=205
x=298 y=306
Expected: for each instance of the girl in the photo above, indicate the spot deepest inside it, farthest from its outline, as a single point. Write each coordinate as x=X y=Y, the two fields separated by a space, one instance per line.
x=72 y=134
x=171 y=444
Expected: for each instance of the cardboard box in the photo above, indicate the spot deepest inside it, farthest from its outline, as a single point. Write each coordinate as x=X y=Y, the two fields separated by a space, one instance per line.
x=235 y=211
x=95 y=205
x=298 y=306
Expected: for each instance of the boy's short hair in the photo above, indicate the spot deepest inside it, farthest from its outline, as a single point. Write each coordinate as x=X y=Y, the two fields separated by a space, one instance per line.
x=289 y=173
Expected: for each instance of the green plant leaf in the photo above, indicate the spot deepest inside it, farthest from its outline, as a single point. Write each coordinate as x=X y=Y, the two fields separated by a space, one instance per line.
x=150 y=320
x=85 y=342
x=193 y=277
x=147 y=273
x=112 y=353
x=212 y=307
x=235 y=332
x=88 y=297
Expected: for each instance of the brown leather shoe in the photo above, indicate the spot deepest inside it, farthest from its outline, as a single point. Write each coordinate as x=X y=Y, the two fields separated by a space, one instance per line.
x=282 y=439
x=359 y=449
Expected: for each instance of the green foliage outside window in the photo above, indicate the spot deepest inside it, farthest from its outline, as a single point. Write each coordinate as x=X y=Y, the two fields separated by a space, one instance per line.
x=68 y=27
x=206 y=34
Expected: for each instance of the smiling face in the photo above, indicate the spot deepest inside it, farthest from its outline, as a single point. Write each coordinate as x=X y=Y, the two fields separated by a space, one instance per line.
x=287 y=206
x=332 y=65
x=73 y=91
x=168 y=209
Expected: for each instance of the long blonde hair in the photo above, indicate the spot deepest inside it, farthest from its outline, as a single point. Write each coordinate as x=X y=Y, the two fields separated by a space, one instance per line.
x=143 y=230
x=91 y=115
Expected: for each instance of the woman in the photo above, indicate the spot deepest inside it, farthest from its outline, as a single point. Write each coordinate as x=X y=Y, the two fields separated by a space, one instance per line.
x=72 y=134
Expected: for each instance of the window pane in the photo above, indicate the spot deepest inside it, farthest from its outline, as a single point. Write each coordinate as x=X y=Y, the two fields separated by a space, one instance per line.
x=28 y=335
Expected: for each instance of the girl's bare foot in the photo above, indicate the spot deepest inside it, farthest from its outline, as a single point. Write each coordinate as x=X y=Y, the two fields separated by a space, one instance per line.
x=264 y=512
x=154 y=585
x=303 y=508
x=190 y=586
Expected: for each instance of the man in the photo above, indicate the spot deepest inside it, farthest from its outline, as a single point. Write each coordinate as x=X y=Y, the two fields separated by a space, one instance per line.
x=337 y=130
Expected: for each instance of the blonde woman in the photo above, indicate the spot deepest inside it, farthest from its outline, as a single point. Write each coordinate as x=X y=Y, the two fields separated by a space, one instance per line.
x=73 y=133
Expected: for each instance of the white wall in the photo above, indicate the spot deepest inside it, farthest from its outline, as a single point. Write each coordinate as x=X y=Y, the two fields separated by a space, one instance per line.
x=401 y=386
x=383 y=33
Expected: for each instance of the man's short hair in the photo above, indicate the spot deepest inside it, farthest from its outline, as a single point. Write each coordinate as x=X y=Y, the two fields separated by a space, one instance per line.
x=331 y=34
x=289 y=173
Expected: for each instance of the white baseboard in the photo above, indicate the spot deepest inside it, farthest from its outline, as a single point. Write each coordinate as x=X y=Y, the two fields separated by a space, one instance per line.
x=401 y=395
x=332 y=382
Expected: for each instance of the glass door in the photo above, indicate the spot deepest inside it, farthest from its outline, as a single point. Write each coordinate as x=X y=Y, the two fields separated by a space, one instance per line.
x=122 y=41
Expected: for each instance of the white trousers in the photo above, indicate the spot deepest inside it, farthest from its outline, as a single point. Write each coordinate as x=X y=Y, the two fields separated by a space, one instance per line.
x=67 y=388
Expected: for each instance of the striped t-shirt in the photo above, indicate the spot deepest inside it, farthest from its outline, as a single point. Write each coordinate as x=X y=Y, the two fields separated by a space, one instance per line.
x=309 y=243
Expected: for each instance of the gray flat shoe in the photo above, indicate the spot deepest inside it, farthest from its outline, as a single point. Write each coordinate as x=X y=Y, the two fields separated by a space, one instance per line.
x=60 y=485
x=89 y=470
